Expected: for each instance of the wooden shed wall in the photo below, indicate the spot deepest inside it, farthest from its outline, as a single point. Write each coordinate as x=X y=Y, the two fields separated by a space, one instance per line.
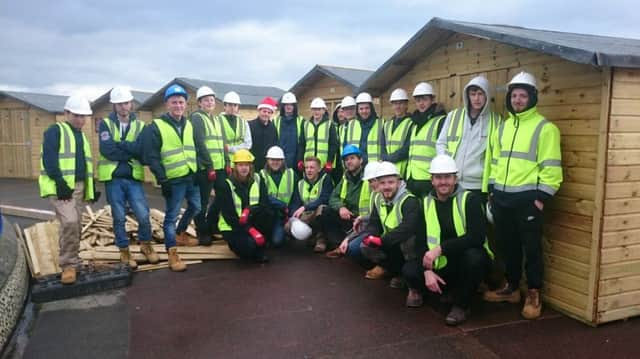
x=329 y=89
x=15 y=139
x=570 y=96
x=619 y=280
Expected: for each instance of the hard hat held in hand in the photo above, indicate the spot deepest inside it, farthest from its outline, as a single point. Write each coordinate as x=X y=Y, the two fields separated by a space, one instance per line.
x=120 y=94
x=78 y=105
x=398 y=95
x=275 y=153
x=300 y=230
x=443 y=164
x=423 y=89
x=347 y=101
x=364 y=97
x=318 y=103
x=204 y=91
x=289 y=98
x=232 y=97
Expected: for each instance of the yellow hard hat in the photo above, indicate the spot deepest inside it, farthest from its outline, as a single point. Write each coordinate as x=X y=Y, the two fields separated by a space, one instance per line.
x=243 y=156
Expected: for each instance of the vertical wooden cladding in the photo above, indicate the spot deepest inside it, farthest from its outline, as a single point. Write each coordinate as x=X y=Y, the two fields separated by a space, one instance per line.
x=15 y=141
x=327 y=88
x=570 y=95
x=619 y=291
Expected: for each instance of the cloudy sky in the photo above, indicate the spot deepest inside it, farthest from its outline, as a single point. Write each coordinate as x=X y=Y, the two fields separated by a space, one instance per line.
x=68 y=46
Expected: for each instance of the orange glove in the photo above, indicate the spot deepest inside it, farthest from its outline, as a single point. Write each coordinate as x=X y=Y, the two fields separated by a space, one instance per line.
x=300 y=166
x=372 y=241
x=257 y=236
x=244 y=216
x=211 y=175
x=328 y=167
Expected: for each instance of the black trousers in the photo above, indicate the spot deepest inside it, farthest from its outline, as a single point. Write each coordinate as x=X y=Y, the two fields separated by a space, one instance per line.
x=241 y=243
x=207 y=220
x=462 y=274
x=517 y=230
x=389 y=258
x=336 y=228
x=420 y=188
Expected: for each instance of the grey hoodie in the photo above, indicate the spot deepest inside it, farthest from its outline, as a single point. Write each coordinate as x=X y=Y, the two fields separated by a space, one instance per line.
x=473 y=144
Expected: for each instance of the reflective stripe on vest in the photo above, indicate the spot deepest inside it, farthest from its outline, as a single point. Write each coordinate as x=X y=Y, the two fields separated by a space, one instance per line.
x=67 y=164
x=364 y=204
x=317 y=140
x=390 y=220
x=177 y=156
x=374 y=148
x=395 y=139
x=308 y=192
x=107 y=167
x=232 y=136
x=299 y=123
x=284 y=190
x=458 y=214
x=422 y=149
x=213 y=139
x=254 y=199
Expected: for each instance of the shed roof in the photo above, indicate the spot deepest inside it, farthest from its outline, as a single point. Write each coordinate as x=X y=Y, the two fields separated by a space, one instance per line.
x=580 y=48
x=249 y=95
x=350 y=77
x=139 y=97
x=45 y=102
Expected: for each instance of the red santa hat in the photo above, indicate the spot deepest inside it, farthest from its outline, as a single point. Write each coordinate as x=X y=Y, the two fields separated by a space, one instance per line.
x=269 y=103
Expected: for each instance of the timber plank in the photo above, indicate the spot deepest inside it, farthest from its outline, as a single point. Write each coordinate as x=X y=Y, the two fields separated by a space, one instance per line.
x=617 y=301
x=623 y=174
x=568 y=235
x=571 y=205
x=620 y=254
x=617 y=270
x=622 y=190
x=582 y=223
x=622 y=206
x=626 y=75
x=624 y=141
x=623 y=157
x=577 y=191
x=566 y=280
x=624 y=123
x=626 y=90
x=566 y=250
x=619 y=285
x=618 y=314
x=566 y=295
x=567 y=265
x=621 y=222
x=620 y=238
x=625 y=107
x=579 y=159
x=579 y=175
x=25 y=212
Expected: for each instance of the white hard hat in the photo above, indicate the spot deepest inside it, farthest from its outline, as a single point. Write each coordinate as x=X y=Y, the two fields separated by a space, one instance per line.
x=232 y=97
x=300 y=230
x=275 y=153
x=204 y=91
x=387 y=169
x=423 y=89
x=289 y=98
x=370 y=170
x=347 y=101
x=524 y=78
x=489 y=213
x=120 y=94
x=398 y=95
x=364 y=97
x=443 y=164
x=318 y=103
x=78 y=105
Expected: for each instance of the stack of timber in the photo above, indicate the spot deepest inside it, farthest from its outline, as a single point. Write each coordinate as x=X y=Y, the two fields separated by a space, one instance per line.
x=97 y=243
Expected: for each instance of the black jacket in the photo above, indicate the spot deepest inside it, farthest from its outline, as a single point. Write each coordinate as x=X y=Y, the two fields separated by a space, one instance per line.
x=262 y=137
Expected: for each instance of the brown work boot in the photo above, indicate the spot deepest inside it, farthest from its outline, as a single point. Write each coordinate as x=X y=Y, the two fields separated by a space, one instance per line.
x=334 y=254
x=68 y=275
x=185 y=240
x=504 y=294
x=127 y=258
x=321 y=245
x=532 y=305
x=414 y=299
x=175 y=263
x=147 y=249
x=397 y=283
x=456 y=316
x=376 y=272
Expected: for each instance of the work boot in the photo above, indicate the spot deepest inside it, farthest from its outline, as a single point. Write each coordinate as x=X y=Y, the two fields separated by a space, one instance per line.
x=68 y=275
x=175 y=263
x=147 y=249
x=185 y=240
x=456 y=316
x=505 y=294
x=397 y=283
x=414 y=299
x=334 y=254
x=376 y=272
x=321 y=245
x=127 y=258
x=532 y=305
x=205 y=240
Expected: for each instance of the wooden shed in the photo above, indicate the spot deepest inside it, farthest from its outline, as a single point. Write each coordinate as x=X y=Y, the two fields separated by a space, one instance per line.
x=24 y=117
x=250 y=96
x=331 y=83
x=102 y=107
x=589 y=86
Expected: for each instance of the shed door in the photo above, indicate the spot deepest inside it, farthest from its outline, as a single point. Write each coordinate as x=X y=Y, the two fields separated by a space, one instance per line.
x=15 y=144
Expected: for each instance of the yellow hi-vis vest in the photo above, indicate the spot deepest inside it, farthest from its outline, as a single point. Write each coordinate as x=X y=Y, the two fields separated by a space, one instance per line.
x=299 y=124
x=364 y=204
x=107 y=167
x=527 y=157
x=310 y=192
x=177 y=156
x=390 y=220
x=67 y=164
x=395 y=139
x=284 y=190
x=422 y=149
x=454 y=135
x=317 y=140
x=213 y=139
x=254 y=199
x=374 y=147
x=459 y=222
x=232 y=136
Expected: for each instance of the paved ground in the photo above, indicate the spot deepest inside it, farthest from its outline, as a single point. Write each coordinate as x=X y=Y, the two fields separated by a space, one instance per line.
x=298 y=306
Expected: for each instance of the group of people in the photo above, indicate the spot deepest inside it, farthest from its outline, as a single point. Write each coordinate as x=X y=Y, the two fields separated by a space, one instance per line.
x=407 y=197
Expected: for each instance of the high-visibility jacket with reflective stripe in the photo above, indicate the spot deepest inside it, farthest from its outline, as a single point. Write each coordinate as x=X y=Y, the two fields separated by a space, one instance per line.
x=374 y=140
x=459 y=216
x=232 y=136
x=422 y=149
x=317 y=140
x=454 y=135
x=395 y=138
x=299 y=123
x=67 y=164
x=284 y=190
x=177 y=156
x=364 y=204
x=254 y=199
x=390 y=219
x=308 y=192
x=526 y=154
x=107 y=167
x=213 y=139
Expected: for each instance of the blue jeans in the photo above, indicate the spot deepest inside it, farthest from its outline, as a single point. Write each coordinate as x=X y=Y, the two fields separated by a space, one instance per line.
x=179 y=191
x=278 y=237
x=353 y=250
x=119 y=192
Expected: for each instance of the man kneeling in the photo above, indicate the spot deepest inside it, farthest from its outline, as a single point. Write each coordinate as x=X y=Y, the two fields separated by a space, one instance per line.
x=458 y=255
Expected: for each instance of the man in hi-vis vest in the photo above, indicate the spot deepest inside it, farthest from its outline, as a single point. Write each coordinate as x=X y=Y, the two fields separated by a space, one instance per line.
x=66 y=177
x=120 y=169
